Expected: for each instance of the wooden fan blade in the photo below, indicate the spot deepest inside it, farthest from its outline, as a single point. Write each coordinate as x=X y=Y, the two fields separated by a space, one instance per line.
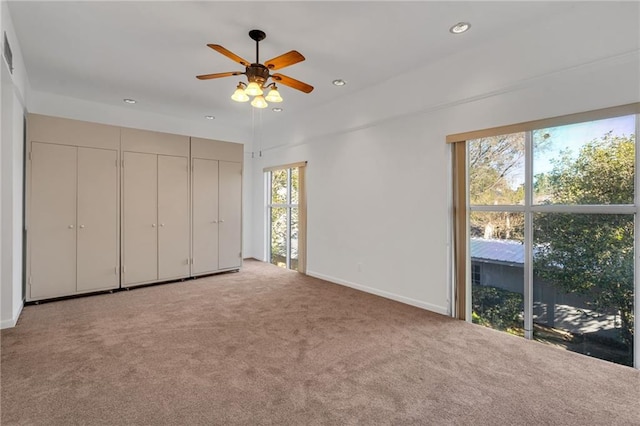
x=218 y=75
x=284 y=60
x=229 y=54
x=292 y=82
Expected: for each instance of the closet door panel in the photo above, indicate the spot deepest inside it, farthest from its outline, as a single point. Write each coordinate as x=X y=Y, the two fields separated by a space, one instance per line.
x=173 y=217
x=230 y=241
x=140 y=217
x=97 y=219
x=52 y=227
x=205 y=216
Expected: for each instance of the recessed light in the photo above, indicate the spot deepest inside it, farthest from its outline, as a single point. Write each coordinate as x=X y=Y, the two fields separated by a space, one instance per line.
x=460 y=27
x=276 y=109
x=209 y=117
x=129 y=101
x=339 y=82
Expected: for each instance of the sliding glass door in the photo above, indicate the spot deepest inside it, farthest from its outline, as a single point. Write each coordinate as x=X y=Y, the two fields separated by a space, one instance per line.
x=284 y=210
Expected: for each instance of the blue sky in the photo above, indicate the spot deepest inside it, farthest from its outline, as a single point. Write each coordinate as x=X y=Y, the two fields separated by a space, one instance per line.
x=574 y=136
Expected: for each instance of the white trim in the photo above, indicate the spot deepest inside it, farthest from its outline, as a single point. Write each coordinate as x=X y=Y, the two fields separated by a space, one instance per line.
x=636 y=269
x=528 y=237
x=387 y=295
x=10 y=323
x=468 y=287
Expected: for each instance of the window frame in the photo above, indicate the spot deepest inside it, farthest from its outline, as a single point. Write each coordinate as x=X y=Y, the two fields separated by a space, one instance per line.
x=288 y=206
x=462 y=275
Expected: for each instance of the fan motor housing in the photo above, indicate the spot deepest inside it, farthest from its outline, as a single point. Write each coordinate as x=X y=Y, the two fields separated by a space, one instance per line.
x=258 y=73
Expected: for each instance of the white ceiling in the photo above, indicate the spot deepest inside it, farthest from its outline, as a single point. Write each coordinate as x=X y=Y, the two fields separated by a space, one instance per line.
x=152 y=51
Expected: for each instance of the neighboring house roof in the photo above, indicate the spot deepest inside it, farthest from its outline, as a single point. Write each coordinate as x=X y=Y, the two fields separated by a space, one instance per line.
x=503 y=251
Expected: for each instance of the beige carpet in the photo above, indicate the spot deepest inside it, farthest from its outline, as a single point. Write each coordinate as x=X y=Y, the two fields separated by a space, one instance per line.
x=270 y=346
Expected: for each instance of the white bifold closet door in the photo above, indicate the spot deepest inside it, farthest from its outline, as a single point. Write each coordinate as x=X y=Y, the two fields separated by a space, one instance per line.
x=230 y=237
x=73 y=231
x=173 y=217
x=205 y=216
x=140 y=217
x=97 y=229
x=52 y=225
x=155 y=217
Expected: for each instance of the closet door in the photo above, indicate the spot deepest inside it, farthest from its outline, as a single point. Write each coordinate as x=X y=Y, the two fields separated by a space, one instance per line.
x=173 y=217
x=97 y=219
x=230 y=219
x=205 y=216
x=140 y=217
x=52 y=226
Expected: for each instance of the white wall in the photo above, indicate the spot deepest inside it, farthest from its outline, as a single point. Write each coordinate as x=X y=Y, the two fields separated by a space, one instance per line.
x=379 y=169
x=13 y=95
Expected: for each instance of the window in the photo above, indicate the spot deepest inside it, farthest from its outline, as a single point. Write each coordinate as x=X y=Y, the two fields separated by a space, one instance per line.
x=550 y=210
x=476 y=274
x=286 y=216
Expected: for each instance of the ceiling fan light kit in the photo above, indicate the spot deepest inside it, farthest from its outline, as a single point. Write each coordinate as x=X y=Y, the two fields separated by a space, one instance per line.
x=239 y=95
x=259 y=102
x=274 y=95
x=257 y=74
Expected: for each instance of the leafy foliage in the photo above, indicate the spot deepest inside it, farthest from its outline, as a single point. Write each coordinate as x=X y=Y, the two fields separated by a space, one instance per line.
x=497 y=308
x=603 y=173
x=283 y=194
x=591 y=254
x=496 y=165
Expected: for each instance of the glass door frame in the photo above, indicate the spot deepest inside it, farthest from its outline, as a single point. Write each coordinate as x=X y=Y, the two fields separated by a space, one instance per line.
x=288 y=206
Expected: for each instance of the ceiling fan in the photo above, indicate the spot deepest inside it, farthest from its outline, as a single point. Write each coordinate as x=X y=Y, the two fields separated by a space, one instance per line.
x=258 y=74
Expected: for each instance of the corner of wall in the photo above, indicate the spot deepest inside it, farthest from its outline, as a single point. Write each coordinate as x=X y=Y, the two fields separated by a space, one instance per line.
x=11 y=322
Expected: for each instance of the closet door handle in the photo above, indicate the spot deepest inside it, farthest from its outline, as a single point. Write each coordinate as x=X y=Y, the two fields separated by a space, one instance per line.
x=215 y=221
x=221 y=220
x=70 y=226
x=81 y=226
x=162 y=224
x=153 y=225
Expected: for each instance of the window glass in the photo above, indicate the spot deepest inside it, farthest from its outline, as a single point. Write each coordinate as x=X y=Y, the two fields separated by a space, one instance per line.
x=583 y=283
x=283 y=217
x=497 y=260
x=294 y=185
x=496 y=170
x=279 y=236
x=294 y=239
x=585 y=163
x=476 y=273
x=581 y=220
x=279 y=187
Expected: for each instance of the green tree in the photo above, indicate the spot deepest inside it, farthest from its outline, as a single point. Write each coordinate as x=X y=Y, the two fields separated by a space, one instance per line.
x=591 y=254
x=282 y=194
x=493 y=164
x=495 y=167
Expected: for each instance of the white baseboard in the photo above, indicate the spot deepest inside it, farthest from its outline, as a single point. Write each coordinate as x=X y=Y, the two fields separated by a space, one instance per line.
x=387 y=295
x=9 y=323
